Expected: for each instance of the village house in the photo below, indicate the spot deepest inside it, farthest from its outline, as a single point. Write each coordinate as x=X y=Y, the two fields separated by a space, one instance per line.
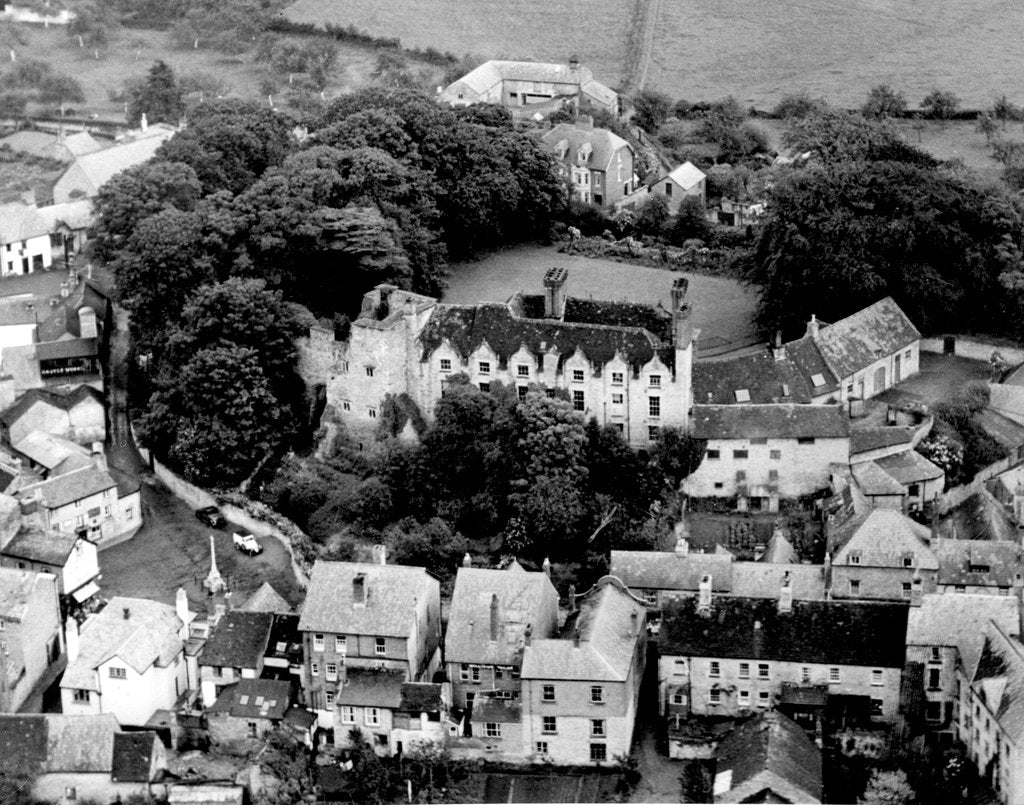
x=71 y=558
x=31 y=640
x=40 y=456
x=128 y=660
x=729 y=657
x=920 y=479
x=234 y=651
x=527 y=87
x=684 y=181
x=24 y=240
x=761 y=454
x=78 y=416
x=366 y=629
x=597 y=163
x=759 y=378
x=881 y=555
x=974 y=566
x=626 y=364
x=71 y=759
x=420 y=720
x=991 y=723
x=89 y=172
x=581 y=689
x=768 y=758
x=490 y=613
x=68 y=225
x=248 y=709
x=945 y=636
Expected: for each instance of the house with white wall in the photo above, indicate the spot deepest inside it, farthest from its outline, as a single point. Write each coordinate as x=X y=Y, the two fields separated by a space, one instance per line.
x=24 y=240
x=234 y=650
x=31 y=640
x=597 y=163
x=128 y=659
x=73 y=559
x=683 y=181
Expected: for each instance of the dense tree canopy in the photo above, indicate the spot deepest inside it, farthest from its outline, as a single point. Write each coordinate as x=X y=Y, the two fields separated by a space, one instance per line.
x=158 y=97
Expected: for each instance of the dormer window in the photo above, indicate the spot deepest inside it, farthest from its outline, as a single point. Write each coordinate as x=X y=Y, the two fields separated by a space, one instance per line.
x=908 y=560
x=446 y=364
x=854 y=558
x=485 y=367
x=817 y=380
x=584 y=152
x=656 y=381
x=562 y=149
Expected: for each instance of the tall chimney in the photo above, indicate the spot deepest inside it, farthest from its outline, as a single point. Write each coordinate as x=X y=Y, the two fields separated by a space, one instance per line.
x=813 y=326
x=359 y=590
x=572 y=598
x=786 y=594
x=546 y=567
x=380 y=554
x=576 y=637
x=704 y=593
x=780 y=348
x=467 y=561
x=682 y=546
x=71 y=639
x=634 y=621
x=494 y=618
x=680 y=285
x=916 y=589
x=527 y=634
x=554 y=292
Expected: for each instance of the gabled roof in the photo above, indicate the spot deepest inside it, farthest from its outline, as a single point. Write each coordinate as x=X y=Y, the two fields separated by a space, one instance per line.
x=133 y=757
x=864 y=439
x=49 y=547
x=782 y=421
x=610 y=621
x=523 y=598
x=764 y=580
x=368 y=688
x=254 y=698
x=909 y=467
x=63 y=319
x=55 y=399
x=51 y=451
x=20 y=222
x=40 y=744
x=75 y=214
x=768 y=753
x=808 y=359
x=392 y=592
x=978 y=563
x=99 y=167
x=149 y=635
x=765 y=379
x=883 y=538
x=959 y=620
x=854 y=343
x=266 y=599
x=1007 y=399
x=667 y=570
x=605 y=144
x=686 y=175
x=239 y=640
x=828 y=632
x=71 y=486
x=999 y=679
x=81 y=143
x=1009 y=434
x=874 y=481
x=71 y=348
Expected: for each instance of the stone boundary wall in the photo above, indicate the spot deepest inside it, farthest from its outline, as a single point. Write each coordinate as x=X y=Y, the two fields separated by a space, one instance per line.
x=974 y=348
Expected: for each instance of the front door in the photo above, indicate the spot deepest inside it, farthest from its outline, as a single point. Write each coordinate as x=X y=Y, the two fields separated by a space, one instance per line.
x=896 y=376
x=879 y=379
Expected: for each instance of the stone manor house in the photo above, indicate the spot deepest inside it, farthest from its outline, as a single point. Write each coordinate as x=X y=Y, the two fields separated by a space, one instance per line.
x=628 y=365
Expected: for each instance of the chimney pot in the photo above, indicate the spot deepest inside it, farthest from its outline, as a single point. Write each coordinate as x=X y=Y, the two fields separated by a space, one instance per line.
x=126 y=613
x=380 y=554
x=576 y=637
x=527 y=634
x=546 y=567
x=467 y=561
x=572 y=598
x=359 y=590
x=494 y=617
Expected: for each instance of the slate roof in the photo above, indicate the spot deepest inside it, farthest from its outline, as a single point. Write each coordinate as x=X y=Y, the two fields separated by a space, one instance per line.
x=607 y=641
x=71 y=486
x=883 y=538
x=1009 y=434
x=23 y=743
x=864 y=439
x=56 y=399
x=81 y=143
x=71 y=348
x=391 y=595
x=1000 y=680
x=765 y=379
x=666 y=570
x=20 y=222
x=523 y=598
x=239 y=640
x=132 y=756
x=254 y=698
x=52 y=452
x=368 y=688
x=836 y=633
x=63 y=319
x=1007 y=400
x=686 y=175
x=266 y=599
x=959 y=620
x=50 y=547
x=421 y=697
x=148 y=636
x=764 y=580
x=467 y=327
x=782 y=421
x=996 y=563
x=605 y=145
x=806 y=356
x=854 y=343
x=15 y=591
x=909 y=467
x=873 y=480
x=765 y=751
x=99 y=167
x=39 y=744
x=75 y=214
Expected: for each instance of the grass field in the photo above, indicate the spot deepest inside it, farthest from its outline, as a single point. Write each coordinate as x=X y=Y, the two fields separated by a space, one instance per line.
x=753 y=50
x=722 y=308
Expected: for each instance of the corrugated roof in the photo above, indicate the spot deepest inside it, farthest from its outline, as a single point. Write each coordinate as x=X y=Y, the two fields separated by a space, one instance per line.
x=883 y=538
x=71 y=486
x=765 y=379
x=782 y=421
x=836 y=633
x=909 y=467
x=238 y=640
x=391 y=595
x=20 y=222
x=523 y=599
x=854 y=343
x=765 y=751
x=978 y=563
x=605 y=145
x=41 y=545
x=687 y=175
x=608 y=634
x=148 y=636
x=959 y=620
x=1002 y=662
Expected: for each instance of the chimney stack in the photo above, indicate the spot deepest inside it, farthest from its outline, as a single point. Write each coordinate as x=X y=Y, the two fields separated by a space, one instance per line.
x=572 y=598
x=380 y=554
x=126 y=613
x=576 y=637
x=467 y=561
x=780 y=348
x=359 y=590
x=71 y=639
x=813 y=326
x=704 y=594
x=682 y=546
x=634 y=622
x=527 y=634
x=494 y=618
x=682 y=327
x=181 y=605
x=916 y=589
x=554 y=292
x=546 y=567
x=786 y=594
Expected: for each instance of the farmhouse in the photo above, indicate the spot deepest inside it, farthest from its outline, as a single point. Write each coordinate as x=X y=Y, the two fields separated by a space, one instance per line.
x=626 y=364
x=531 y=87
x=597 y=163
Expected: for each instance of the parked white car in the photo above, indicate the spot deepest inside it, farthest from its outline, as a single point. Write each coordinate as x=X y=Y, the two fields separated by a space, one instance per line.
x=246 y=543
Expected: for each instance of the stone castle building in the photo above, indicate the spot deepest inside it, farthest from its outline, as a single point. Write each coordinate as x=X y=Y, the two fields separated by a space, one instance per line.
x=628 y=365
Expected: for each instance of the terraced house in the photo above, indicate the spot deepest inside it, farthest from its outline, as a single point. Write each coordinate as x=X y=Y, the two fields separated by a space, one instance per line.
x=627 y=365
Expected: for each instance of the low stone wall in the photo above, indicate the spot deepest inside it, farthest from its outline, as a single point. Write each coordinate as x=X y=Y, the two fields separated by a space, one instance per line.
x=977 y=349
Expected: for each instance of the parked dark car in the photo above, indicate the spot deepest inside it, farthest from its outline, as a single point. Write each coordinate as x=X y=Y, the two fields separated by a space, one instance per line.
x=211 y=516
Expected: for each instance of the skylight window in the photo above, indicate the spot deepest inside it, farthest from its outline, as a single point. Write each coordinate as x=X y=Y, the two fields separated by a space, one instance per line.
x=742 y=395
x=243 y=700
x=818 y=380
x=785 y=389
